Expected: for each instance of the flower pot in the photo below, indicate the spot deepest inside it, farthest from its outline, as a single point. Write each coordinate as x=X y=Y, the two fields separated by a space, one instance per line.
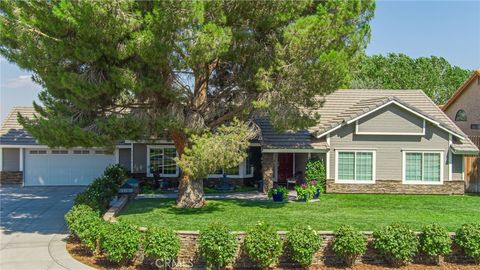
x=278 y=197
x=317 y=194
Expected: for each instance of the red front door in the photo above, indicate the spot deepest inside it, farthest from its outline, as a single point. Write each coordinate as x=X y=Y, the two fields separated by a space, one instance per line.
x=285 y=167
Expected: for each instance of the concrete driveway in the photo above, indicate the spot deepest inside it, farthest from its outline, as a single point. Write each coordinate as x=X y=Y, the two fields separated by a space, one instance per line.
x=32 y=228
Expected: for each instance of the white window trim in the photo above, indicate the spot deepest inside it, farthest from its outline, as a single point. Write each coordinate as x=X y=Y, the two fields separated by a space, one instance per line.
x=353 y=181
x=404 y=164
x=241 y=173
x=389 y=133
x=149 y=174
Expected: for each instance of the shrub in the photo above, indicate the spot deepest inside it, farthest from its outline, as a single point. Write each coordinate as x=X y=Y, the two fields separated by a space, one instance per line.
x=120 y=242
x=303 y=242
x=116 y=172
x=98 y=194
x=218 y=245
x=349 y=244
x=161 y=243
x=396 y=242
x=434 y=241
x=274 y=191
x=86 y=224
x=315 y=171
x=263 y=245
x=468 y=238
x=306 y=192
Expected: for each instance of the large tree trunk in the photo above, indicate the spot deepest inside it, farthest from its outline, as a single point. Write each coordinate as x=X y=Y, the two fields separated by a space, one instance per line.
x=190 y=191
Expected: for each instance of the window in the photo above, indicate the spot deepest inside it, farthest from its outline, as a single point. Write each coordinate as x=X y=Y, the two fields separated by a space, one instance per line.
x=355 y=166
x=39 y=152
x=423 y=167
x=81 y=152
x=100 y=152
x=461 y=116
x=163 y=160
x=59 y=152
x=475 y=126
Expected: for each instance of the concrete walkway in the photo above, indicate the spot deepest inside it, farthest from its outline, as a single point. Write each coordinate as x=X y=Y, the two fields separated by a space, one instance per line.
x=32 y=228
x=251 y=195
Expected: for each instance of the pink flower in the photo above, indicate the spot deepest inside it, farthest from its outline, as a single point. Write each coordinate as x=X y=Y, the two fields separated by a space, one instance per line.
x=304 y=186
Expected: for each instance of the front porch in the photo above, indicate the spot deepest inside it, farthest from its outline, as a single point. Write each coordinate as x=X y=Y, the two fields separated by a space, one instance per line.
x=286 y=167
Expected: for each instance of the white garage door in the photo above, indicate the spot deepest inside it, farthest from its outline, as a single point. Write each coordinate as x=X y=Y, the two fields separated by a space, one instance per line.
x=46 y=167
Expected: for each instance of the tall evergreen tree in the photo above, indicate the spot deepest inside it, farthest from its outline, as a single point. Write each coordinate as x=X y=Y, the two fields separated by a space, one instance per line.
x=434 y=75
x=114 y=70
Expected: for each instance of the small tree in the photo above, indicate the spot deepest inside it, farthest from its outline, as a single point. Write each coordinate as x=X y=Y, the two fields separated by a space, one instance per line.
x=218 y=245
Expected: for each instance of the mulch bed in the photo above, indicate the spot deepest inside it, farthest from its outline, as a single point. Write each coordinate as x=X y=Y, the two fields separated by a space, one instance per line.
x=83 y=255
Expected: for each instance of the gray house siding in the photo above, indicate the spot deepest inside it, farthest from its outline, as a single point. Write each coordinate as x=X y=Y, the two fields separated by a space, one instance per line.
x=139 y=158
x=391 y=119
x=389 y=148
x=457 y=167
x=124 y=158
x=11 y=159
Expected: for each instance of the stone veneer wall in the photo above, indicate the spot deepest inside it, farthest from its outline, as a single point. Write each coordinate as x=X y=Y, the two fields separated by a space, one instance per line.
x=268 y=165
x=396 y=187
x=189 y=258
x=11 y=178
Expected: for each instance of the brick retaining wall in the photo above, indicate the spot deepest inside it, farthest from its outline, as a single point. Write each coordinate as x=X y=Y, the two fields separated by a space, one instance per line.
x=396 y=187
x=11 y=178
x=190 y=259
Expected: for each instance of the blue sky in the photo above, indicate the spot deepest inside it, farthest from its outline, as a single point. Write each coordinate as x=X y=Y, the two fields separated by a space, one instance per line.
x=450 y=29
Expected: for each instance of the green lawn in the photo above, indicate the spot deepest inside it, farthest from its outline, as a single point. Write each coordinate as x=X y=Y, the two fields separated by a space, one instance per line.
x=365 y=212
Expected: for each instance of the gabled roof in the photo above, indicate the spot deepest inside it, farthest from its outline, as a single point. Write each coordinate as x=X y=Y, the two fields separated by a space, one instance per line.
x=12 y=133
x=345 y=106
x=461 y=89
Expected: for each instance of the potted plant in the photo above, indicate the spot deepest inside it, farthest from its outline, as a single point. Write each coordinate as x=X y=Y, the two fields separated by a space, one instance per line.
x=279 y=194
x=305 y=192
x=317 y=187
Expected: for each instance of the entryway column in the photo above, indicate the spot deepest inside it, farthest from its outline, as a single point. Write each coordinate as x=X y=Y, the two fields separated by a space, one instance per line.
x=268 y=165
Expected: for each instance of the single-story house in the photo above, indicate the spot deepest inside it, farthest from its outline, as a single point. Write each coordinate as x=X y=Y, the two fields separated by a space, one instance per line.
x=371 y=141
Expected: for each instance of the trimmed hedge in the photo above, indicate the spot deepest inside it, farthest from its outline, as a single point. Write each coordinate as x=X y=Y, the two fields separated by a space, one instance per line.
x=397 y=242
x=101 y=191
x=302 y=243
x=218 y=245
x=435 y=241
x=120 y=242
x=87 y=225
x=263 y=244
x=349 y=244
x=468 y=238
x=161 y=243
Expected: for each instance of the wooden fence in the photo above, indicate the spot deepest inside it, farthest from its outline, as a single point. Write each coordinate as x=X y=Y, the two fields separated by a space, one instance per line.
x=472 y=169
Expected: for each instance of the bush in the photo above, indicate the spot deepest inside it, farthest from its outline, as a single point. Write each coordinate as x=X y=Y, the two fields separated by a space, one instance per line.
x=263 y=245
x=98 y=194
x=468 y=238
x=303 y=242
x=274 y=191
x=396 y=242
x=120 y=242
x=315 y=171
x=161 y=243
x=349 y=244
x=86 y=224
x=434 y=241
x=306 y=192
x=116 y=172
x=218 y=245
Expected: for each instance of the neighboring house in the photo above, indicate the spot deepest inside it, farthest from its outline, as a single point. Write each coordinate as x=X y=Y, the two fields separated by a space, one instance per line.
x=371 y=141
x=464 y=109
x=464 y=106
